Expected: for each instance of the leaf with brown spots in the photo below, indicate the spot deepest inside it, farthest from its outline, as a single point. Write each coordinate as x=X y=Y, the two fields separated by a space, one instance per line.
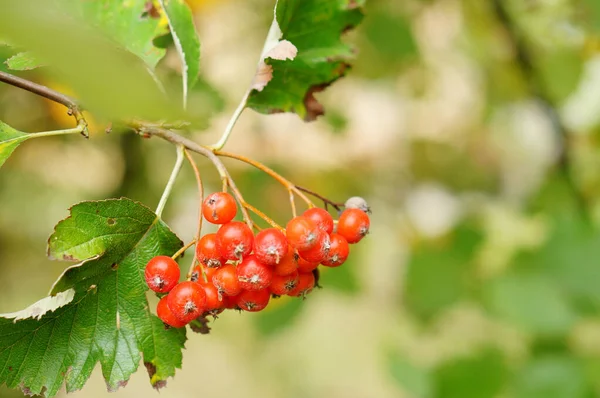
x=286 y=80
x=97 y=310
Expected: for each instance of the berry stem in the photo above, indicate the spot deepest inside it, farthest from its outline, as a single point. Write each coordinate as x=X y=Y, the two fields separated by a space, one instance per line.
x=148 y=130
x=293 y=203
x=201 y=200
x=184 y=248
x=278 y=177
x=335 y=205
x=262 y=215
x=171 y=182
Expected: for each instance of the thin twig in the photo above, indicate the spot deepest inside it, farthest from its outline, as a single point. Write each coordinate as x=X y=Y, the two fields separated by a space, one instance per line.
x=335 y=205
x=168 y=135
x=201 y=200
x=74 y=109
x=262 y=215
x=183 y=249
x=232 y=121
x=171 y=182
x=525 y=63
x=279 y=178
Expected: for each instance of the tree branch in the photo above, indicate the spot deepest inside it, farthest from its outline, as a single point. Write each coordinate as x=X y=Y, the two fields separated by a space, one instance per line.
x=73 y=108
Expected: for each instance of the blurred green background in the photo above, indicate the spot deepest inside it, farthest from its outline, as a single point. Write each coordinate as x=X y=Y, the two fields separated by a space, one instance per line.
x=472 y=127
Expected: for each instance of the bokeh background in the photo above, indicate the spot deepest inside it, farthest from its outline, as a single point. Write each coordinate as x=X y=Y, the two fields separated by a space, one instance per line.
x=471 y=127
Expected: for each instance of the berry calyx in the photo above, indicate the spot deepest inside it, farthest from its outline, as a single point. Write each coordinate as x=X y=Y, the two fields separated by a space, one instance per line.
x=207 y=252
x=319 y=252
x=338 y=251
x=253 y=275
x=270 y=246
x=219 y=208
x=321 y=217
x=302 y=233
x=234 y=240
x=353 y=225
x=253 y=300
x=282 y=285
x=162 y=274
x=166 y=315
x=288 y=264
x=187 y=301
x=306 y=283
x=226 y=281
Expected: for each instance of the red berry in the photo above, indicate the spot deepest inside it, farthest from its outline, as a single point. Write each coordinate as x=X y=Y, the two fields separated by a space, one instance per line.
x=321 y=217
x=214 y=300
x=226 y=281
x=162 y=274
x=319 y=252
x=207 y=252
x=288 y=264
x=353 y=225
x=282 y=285
x=338 y=251
x=187 y=301
x=166 y=315
x=253 y=300
x=229 y=302
x=270 y=246
x=302 y=233
x=253 y=275
x=306 y=283
x=219 y=208
x=202 y=274
x=306 y=266
x=234 y=240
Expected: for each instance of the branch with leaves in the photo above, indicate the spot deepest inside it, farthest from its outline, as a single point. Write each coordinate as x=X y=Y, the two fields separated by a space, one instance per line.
x=101 y=300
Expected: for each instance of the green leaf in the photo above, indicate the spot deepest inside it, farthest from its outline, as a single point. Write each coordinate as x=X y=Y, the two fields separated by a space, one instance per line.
x=412 y=379
x=108 y=319
x=23 y=61
x=552 y=377
x=186 y=41
x=108 y=79
x=531 y=301
x=9 y=141
x=481 y=376
x=128 y=23
x=438 y=272
x=303 y=54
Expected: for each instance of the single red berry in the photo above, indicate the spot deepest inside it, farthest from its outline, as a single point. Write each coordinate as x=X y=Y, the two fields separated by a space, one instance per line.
x=288 y=264
x=270 y=246
x=306 y=283
x=321 y=217
x=230 y=303
x=338 y=251
x=214 y=300
x=166 y=315
x=187 y=301
x=234 y=240
x=319 y=252
x=302 y=233
x=353 y=225
x=253 y=300
x=219 y=208
x=306 y=266
x=253 y=275
x=226 y=281
x=207 y=252
x=282 y=285
x=162 y=274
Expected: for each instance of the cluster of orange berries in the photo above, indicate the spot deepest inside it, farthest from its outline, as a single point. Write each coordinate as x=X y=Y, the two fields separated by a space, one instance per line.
x=240 y=270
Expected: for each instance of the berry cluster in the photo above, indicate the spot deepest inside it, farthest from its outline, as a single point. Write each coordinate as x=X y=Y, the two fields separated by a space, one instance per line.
x=237 y=269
